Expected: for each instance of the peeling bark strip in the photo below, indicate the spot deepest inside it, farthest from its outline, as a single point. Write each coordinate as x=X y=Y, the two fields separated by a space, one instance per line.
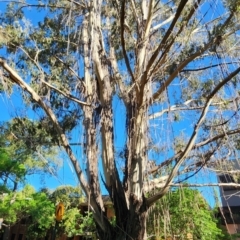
x=151 y=57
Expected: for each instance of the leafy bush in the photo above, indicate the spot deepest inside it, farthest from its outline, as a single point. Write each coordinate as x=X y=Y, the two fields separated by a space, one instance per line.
x=181 y=213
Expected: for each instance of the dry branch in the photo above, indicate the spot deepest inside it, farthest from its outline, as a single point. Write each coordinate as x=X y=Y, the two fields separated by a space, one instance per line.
x=193 y=137
x=15 y=78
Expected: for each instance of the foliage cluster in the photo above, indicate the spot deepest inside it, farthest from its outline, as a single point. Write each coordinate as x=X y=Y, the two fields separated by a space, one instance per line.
x=33 y=207
x=182 y=212
x=25 y=149
x=37 y=209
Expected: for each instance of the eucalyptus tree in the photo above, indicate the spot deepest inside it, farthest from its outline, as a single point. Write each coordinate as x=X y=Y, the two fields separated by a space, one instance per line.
x=157 y=78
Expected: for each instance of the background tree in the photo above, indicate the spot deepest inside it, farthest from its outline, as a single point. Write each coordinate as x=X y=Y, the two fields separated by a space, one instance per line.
x=181 y=213
x=170 y=68
x=25 y=149
x=33 y=207
x=37 y=210
x=13 y=171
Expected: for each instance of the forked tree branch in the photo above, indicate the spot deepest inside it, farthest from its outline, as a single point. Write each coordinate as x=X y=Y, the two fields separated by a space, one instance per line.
x=184 y=23
x=213 y=41
x=209 y=140
x=184 y=108
x=192 y=139
x=168 y=33
x=122 y=25
x=15 y=78
x=197 y=145
x=160 y=181
x=67 y=95
x=179 y=69
x=165 y=46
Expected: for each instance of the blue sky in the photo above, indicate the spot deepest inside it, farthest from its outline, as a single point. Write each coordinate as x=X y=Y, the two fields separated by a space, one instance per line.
x=14 y=105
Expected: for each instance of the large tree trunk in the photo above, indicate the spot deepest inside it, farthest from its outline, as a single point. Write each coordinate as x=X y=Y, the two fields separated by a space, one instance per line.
x=131 y=225
x=128 y=197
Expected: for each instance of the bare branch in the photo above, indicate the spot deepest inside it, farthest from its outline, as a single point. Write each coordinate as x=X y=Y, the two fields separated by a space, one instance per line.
x=165 y=163
x=67 y=95
x=165 y=46
x=198 y=145
x=237 y=185
x=166 y=36
x=156 y=27
x=209 y=140
x=15 y=78
x=185 y=108
x=207 y=67
x=192 y=139
x=176 y=108
x=224 y=171
x=179 y=68
x=149 y=17
x=195 y=168
x=122 y=24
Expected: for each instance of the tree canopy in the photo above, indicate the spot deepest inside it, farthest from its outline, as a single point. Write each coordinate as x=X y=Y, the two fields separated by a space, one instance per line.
x=151 y=87
x=23 y=153
x=10 y=170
